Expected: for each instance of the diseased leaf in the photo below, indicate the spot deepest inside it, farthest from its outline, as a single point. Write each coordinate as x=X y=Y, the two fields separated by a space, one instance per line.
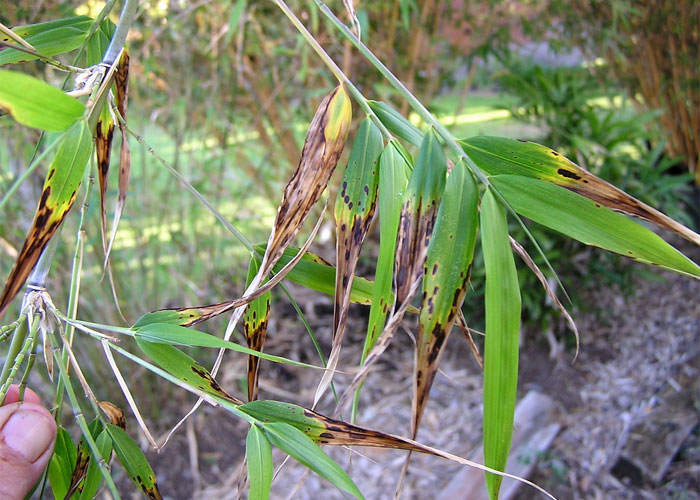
x=134 y=462
x=590 y=223
x=104 y=133
x=300 y=447
x=258 y=453
x=37 y=104
x=502 y=303
x=60 y=188
x=255 y=328
x=93 y=476
x=121 y=84
x=447 y=268
x=180 y=365
x=499 y=155
x=425 y=188
x=354 y=210
x=421 y=200
x=49 y=39
x=323 y=146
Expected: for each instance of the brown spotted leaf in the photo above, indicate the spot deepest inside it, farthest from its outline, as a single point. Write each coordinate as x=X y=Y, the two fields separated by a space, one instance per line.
x=354 y=209
x=60 y=188
x=134 y=462
x=447 y=268
x=500 y=155
x=121 y=85
x=421 y=200
x=255 y=328
x=325 y=430
x=104 y=133
x=323 y=146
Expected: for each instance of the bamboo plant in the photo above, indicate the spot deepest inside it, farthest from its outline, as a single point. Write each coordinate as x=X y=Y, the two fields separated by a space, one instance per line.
x=436 y=197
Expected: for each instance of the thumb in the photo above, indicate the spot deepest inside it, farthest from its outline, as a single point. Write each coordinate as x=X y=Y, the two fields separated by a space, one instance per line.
x=27 y=436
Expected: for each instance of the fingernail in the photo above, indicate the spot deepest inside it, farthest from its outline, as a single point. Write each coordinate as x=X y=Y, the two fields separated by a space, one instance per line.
x=28 y=433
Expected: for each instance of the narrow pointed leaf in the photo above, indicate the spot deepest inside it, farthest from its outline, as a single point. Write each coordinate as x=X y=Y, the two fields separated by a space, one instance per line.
x=396 y=123
x=49 y=39
x=104 y=133
x=60 y=189
x=93 y=477
x=589 y=222
x=354 y=210
x=98 y=42
x=393 y=175
x=167 y=333
x=61 y=465
x=255 y=328
x=121 y=84
x=186 y=369
x=134 y=461
x=258 y=454
x=499 y=155
x=37 y=104
x=425 y=188
x=300 y=447
x=502 y=302
x=323 y=146
x=447 y=269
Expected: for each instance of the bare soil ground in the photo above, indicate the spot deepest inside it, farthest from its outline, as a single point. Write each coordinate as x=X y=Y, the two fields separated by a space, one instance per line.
x=632 y=349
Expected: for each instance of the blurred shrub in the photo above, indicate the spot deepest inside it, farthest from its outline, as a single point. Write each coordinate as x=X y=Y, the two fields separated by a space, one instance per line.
x=584 y=119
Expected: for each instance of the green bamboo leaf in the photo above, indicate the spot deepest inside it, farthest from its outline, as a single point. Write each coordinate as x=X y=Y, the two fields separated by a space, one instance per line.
x=93 y=476
x=49 y=39
x=60 y=188
x=167 y=333
x=500 y=155
x=446 y=273
x=98 y=42
x=393 y=176
x=255 y=327
x=37 y=104
x=134 y=462
x=315 y=273
x=590 y=222
x=62 y=461
x=502 y=304
x=258 y=453
x=396 y=123
x=183 y=367
x=300 y=447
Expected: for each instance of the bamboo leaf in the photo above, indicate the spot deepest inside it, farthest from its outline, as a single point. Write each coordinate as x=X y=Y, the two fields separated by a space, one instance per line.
x=300 y=447
x=167 y=333
x=121 y=84
x=258 y=452
x=183 y=367
x=499 y=155
x=61 y=465
x=502 y=302
x=37 y=104
x=255 y=328
x=134 y=461
x=446 y=272
x=104 y=133
x=393 y=175
x=589 y=222
x=49 y=39
x=60 y=188
x=323 y=146
x=354 y=210
x=425 y=188
x=98 y=42
x=396 y=123
x=93 y=476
